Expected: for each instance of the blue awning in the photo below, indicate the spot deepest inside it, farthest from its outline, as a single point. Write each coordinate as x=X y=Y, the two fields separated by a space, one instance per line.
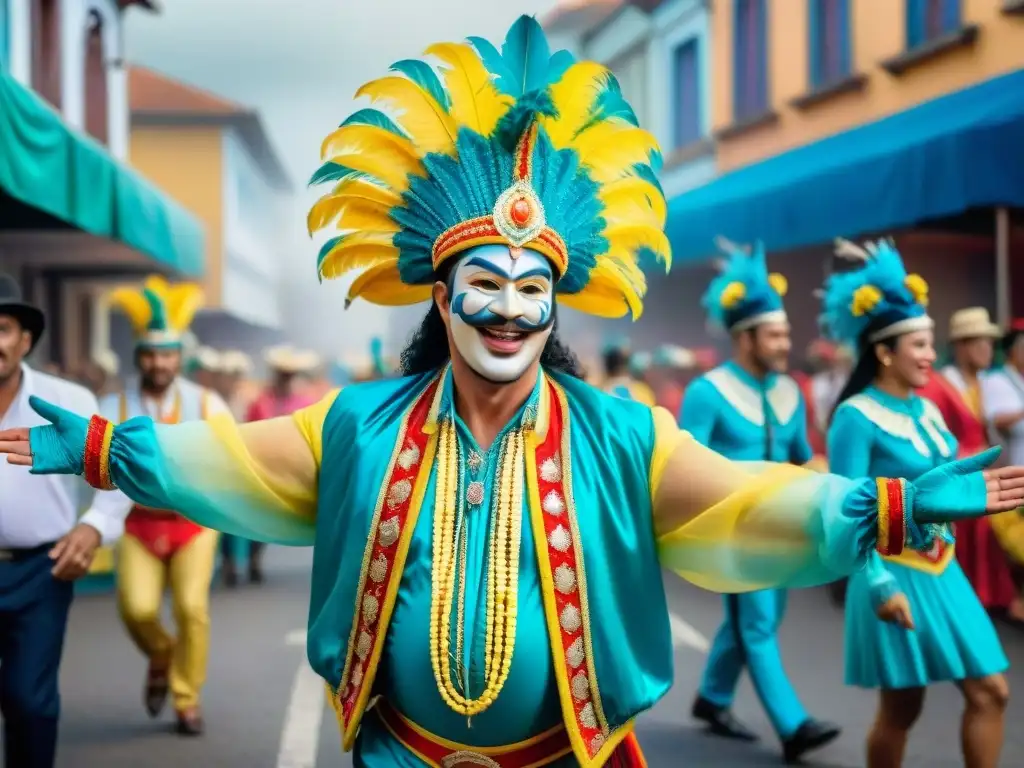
x=940 y=158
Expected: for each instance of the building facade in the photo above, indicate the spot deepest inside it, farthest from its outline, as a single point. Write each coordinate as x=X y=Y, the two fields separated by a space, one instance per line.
x=860 y=118
x=72 y=214
x=660 y=51
x=214 y=156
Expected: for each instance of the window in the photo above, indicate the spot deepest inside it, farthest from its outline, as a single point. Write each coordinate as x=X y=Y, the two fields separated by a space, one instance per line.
x=750 y=60
x=830 y=41
x=931 y=19
x=686 y=119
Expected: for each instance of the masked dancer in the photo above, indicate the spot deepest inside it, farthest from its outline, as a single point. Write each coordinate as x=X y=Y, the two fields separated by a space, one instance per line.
x=489 y=529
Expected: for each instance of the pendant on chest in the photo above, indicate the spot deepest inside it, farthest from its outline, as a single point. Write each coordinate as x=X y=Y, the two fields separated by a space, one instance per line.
x=536 y=463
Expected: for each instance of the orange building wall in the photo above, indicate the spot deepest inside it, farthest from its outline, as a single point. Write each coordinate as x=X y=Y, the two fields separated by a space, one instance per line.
x=187 y=163
x=878 y=29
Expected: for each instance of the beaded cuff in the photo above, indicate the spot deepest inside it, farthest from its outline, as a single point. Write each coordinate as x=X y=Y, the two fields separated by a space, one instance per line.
x=892 y=516
x=97 y=453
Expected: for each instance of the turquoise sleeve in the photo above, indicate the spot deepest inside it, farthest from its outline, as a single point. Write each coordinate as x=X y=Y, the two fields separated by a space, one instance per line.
x=881 y=583
x=697 y=413
x=801 y=452
x=849 y=444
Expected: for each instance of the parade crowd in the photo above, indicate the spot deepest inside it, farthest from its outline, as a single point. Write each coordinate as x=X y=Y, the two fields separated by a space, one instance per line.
x=490 y=531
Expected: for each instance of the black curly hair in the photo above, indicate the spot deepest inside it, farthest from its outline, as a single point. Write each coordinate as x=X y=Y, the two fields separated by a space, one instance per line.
x=427 y=349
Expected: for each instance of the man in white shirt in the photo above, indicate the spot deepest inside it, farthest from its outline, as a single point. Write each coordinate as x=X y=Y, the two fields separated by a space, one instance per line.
x=44 y=546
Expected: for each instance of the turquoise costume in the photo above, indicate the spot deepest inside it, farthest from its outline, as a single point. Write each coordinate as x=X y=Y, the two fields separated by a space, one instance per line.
x=875 y=433
x=545 y=632
x=749 y=419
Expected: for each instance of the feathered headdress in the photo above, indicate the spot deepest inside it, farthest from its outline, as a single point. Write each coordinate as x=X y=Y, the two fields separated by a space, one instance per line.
x=640 y=363
x=744 y=294
x=160 y=313
x=875 y=301
x=520 y=147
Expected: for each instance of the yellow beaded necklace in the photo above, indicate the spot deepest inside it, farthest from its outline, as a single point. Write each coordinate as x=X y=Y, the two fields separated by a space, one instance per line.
x=502 y=570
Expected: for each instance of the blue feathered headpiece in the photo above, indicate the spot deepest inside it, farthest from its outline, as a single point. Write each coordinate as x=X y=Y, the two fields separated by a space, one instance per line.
x=875 y=301
x=520 y=146
x=744 y=294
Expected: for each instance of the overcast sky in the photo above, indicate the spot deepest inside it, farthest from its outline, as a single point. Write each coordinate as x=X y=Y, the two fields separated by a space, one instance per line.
x=299 y=62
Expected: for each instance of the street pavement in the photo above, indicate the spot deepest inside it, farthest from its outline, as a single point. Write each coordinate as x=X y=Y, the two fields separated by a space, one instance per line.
x=265 y=708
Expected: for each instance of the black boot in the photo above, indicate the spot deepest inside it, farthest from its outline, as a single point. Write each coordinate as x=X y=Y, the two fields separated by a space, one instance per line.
x=809 y=736
x=720 y=721
x=256 y=562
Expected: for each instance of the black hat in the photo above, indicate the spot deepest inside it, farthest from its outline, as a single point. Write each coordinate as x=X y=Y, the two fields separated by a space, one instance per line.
x=11 y=303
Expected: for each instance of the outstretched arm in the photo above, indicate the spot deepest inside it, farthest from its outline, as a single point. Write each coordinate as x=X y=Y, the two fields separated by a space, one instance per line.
x=256 y=480
x=736 y=527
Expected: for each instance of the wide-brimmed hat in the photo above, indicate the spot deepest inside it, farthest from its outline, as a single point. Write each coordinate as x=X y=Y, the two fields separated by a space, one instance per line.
x=11 y=303
x=972 y=323
x=285 y=359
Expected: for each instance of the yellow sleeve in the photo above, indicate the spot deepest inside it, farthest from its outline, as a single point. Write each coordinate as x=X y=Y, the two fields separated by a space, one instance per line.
x=740 y=526
x=1009 y=530
x=258 y=480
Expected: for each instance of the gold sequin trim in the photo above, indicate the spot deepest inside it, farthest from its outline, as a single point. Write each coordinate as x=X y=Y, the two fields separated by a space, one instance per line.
x=378 y=569
x=550 y=472
x=364 y=645
x=408 y=457
x=570 y=619
x=580 y=686
x=553 y=503
x=357 y=675
x=388 y=532
x=596 y=743
x=399 y=493
x=565 y=579
x=587 y=716
x=371 y=608
x=574 y=654
x=559 y=539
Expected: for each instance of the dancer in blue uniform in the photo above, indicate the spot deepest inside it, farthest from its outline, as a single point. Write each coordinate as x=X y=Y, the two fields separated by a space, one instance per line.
x=749 y=409
x=912 y=618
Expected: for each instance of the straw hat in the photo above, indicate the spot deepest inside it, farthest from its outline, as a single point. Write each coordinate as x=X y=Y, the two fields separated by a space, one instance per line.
x=107 y=361
x=972 y=323
x=208 y=359
x=236 y=362
x=285 y=359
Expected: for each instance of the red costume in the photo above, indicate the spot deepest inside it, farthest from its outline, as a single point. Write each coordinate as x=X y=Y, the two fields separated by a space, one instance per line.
x=979 y=553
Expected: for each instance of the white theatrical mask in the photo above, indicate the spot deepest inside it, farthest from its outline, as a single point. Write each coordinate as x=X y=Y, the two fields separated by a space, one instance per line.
x=502 y=310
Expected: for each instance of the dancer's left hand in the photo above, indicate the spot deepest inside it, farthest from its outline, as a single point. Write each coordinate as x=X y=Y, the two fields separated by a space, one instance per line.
x=966 y=488
x=74 y=553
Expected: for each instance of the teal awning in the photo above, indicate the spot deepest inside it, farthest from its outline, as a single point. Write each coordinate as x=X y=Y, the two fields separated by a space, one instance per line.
x=940 y=158
x=50 y=167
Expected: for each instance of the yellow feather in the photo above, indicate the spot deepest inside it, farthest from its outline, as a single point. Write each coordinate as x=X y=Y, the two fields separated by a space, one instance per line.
x=428 y=125
x=614 y=147
x=476 y=103
x=183 y=302
x=632 y=190
x=157 y=284
x=328 y=208
x=366 y=135
x=596 y=299
x=382 y=284
x=631 y=210
x=610 y=286
x=629 y=239
x=133 y=304
x=573 y=97
x=380 y=162
x=365 y=216
x=356 y=252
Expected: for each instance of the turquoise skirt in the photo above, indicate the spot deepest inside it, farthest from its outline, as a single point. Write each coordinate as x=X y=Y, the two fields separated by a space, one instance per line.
x=953 y=640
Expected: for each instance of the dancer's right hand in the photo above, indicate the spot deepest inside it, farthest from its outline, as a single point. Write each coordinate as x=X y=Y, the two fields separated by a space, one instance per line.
x=896 y=610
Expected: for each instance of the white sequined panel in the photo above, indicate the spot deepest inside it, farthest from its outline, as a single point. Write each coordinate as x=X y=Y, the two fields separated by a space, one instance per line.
x=784 y=399
x=899 y=425
x=743 y=398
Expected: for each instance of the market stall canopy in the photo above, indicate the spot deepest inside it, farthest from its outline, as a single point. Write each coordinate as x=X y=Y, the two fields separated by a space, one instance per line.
x=937 y=159
x=47 y=165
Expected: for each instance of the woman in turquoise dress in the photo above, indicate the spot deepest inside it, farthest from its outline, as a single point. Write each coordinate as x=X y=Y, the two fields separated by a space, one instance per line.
x=912 y=618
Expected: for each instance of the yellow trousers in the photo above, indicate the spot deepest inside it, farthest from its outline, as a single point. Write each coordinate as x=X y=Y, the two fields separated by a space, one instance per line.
x=141 y=581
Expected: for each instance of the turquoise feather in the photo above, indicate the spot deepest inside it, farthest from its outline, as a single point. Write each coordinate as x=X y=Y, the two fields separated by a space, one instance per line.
x=750 y=270
x=158 y=312
x=558 y=63
x=504 y=81
x=647 y=173
x=426 y=78
x=518 y=119
x=526 y=54
x=376 y=118
x=609 y=104
x=331 y=171
x=325 y=249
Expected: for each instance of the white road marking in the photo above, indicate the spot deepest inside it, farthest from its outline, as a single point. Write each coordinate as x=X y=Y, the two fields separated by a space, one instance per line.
x=295 y=637
x=684 y=634
x=300 y=738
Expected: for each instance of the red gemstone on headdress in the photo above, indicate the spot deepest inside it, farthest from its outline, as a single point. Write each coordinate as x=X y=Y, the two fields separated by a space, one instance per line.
x=520 y=212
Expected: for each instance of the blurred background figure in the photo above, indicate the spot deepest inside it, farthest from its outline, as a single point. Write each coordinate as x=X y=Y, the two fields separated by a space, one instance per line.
x=284 y=394
x=619 y=378
x=673 y=368
x=204 y=367
x=235 y=368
